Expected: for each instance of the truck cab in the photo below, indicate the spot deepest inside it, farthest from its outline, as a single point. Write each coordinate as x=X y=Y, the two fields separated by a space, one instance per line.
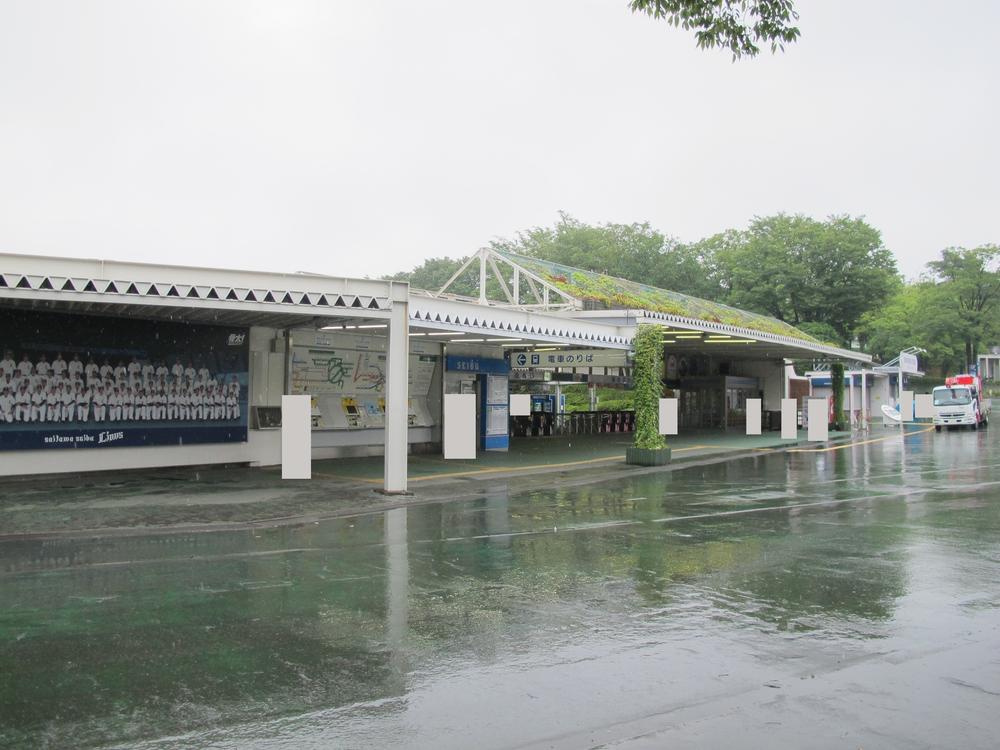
x=959 y=403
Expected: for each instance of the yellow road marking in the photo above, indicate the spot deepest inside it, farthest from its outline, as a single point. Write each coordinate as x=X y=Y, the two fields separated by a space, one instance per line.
x=496 y=469
x=325 y=475
x=861 y=442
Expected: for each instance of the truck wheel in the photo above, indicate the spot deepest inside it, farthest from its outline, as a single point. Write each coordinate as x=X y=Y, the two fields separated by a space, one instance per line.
x=937 y=428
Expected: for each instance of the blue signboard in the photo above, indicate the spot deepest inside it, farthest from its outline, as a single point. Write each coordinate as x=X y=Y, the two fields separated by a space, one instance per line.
x=476 y=365
x=78 y=381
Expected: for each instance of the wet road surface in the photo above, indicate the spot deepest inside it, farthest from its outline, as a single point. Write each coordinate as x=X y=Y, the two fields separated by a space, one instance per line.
x=839 y=599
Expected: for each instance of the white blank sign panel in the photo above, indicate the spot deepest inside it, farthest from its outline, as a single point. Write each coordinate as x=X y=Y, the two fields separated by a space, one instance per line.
x=906 y=405
x=925 y=405
x=459 y=425
x=789 y=419
x=668 y=416
x=819 y=416
x=754 y=407
x=296 y=437
x=520 y=405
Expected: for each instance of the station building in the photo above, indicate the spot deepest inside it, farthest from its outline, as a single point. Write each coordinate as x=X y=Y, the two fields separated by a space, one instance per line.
x=988 y=364
x=108 y=365
x=868 y=388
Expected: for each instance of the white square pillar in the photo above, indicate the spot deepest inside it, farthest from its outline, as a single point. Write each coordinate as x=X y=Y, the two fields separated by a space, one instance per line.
x=789 y=419
x=754 y=407
x=397 y=366
x=924 y=406
x=906 y=405
x=459 y=425
x=296 y=437
x=520 y=405
x=668 y=416
x=819 y=419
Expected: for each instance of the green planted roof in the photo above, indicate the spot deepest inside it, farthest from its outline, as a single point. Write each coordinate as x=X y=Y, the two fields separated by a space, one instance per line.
x=622 y=293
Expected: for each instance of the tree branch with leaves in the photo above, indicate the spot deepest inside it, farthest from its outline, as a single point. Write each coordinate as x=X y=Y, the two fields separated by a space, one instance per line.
x=741 y=26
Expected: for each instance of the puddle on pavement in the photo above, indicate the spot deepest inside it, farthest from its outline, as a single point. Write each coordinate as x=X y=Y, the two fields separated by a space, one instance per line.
x=522 y=618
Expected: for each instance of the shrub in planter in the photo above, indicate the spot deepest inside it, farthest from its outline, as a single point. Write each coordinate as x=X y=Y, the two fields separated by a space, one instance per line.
x=648 y=448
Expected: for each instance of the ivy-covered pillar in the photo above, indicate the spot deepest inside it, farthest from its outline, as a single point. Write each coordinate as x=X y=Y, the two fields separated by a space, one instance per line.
x=837 y=386
x=649 y=448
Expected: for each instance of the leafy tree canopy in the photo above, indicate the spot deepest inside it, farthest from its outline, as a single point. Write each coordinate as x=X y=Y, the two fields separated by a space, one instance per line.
x=971 y=279
x=433 y=273
x=801 y=270
x=921 y=314
x=740 y=26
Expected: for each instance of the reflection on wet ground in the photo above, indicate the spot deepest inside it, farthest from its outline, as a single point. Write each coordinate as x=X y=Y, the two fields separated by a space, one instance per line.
x=840 y=599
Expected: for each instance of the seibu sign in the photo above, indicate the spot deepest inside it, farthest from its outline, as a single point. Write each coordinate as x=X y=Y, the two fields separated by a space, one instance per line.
x=569 y=358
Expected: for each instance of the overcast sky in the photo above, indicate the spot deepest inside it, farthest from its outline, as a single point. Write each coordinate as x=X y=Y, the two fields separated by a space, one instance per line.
x=361 y=137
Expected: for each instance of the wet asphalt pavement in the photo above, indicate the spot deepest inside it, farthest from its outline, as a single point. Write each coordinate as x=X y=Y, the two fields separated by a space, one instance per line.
x=839 y=599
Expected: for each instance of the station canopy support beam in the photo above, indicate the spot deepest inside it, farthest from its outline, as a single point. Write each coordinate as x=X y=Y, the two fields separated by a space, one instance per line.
x=396 y=386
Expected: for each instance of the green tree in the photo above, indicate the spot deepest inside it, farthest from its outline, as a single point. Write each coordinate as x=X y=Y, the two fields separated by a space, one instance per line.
x=823 y=332
x=801 y=270
x=433 y=273
x=919 y=314
x=972 y=279
x=740 y=26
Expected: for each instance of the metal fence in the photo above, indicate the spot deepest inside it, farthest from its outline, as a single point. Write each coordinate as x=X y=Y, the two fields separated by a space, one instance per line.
x=546 y=424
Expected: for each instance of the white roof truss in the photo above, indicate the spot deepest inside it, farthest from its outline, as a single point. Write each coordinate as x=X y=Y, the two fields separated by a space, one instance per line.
x=536 y=294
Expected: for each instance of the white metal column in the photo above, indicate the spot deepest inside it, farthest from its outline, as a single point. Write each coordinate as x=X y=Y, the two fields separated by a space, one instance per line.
x=396 y=392
x=850 y=407
x=864 y=401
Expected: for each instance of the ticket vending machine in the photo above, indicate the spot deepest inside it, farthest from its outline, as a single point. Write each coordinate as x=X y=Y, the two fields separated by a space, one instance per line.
x=543 y=414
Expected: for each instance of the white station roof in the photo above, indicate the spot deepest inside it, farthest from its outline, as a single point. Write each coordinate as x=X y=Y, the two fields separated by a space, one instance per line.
x=185 y=293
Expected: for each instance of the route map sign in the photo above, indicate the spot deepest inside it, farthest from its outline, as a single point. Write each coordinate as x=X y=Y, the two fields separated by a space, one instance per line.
x=569 y=358
x=322 y=371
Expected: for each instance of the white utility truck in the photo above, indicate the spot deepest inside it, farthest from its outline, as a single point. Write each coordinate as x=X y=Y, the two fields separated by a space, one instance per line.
x=959 y=403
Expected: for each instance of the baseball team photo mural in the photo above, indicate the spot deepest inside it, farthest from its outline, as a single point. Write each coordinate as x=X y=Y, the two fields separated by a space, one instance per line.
x=83 y=381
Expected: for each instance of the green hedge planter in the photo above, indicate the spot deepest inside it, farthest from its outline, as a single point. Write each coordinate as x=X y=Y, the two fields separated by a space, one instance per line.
x=647 y=456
